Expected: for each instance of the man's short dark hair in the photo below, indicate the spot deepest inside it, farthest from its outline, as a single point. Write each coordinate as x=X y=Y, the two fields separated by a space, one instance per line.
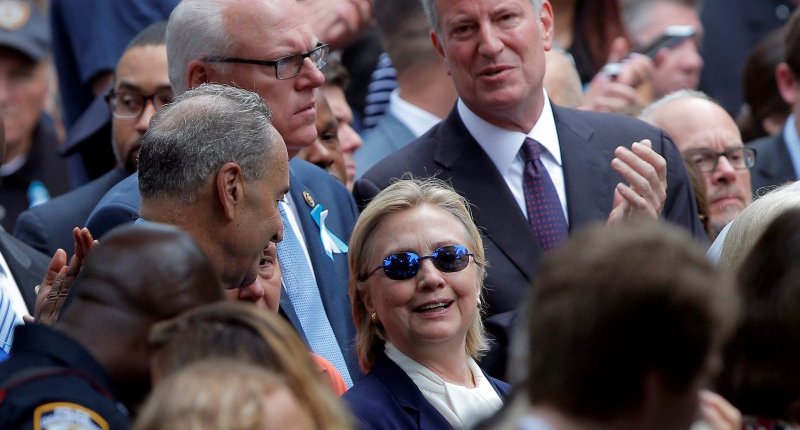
x=336 y=74
x=792 y=43
x=616 y=304
x=154 y=34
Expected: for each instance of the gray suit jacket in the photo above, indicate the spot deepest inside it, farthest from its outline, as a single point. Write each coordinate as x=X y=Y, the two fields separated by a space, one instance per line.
x=387 y=137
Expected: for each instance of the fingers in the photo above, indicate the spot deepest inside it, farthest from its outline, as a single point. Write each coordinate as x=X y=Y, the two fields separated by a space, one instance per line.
x=645 y=173
x=619 y=49
x=636 y=70
x=58 y=261
x=718 y=412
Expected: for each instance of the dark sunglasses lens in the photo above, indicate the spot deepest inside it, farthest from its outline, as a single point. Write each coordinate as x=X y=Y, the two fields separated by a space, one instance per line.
x=451 y=258
x=403 y=265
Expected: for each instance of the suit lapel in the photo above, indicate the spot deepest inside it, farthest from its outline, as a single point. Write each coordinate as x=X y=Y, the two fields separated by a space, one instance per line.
x=586 y=172
x=407 y=394
x=475 y=177
x=20 y=265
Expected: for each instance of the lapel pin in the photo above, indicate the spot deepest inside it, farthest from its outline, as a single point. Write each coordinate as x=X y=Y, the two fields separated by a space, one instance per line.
x=309 y=199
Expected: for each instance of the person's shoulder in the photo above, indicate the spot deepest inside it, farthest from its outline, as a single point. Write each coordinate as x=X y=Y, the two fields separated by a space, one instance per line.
x=765 y=142
x=603 y=121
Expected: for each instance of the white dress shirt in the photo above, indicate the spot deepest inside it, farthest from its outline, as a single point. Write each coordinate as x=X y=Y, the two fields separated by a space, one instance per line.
x=416 y=119
x=460 y=406
x=503 y=148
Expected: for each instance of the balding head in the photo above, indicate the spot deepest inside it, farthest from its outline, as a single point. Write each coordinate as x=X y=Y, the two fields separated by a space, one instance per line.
x=212 y=164
x=701 y=128
x=217 y=40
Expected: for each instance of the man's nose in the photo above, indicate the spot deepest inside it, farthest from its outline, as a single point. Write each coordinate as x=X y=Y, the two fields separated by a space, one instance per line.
x=724 y=172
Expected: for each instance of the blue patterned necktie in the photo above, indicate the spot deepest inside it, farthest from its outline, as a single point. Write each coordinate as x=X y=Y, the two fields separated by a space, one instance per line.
x=545 y=214
x=301 y=287
x=8 y=319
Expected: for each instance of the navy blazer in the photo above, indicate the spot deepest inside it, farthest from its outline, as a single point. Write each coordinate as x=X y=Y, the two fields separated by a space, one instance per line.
x=773 y=164
x=121 y=205
x=26 y=264
x=388 y=399
x=48 y=226
x=588 y=140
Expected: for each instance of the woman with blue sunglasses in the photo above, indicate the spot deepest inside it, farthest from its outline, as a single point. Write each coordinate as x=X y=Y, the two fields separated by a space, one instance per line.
x=416 y=273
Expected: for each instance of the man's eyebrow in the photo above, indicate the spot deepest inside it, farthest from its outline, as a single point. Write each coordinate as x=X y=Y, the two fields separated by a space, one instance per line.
x=128 y=86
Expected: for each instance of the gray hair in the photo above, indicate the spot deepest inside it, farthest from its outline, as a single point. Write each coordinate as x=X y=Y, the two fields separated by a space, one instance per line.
x=201 y=130
x=649 y=111
x=433 y=18
x=195 y=30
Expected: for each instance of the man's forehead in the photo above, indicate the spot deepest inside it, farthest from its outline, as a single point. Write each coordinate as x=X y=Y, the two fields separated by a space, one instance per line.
x=267 y=29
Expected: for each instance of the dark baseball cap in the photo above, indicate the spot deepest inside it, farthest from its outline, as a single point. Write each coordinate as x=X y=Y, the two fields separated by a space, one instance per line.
x=23 y=27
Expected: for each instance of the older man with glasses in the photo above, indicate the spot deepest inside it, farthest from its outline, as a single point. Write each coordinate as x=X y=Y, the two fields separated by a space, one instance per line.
x=709 y=140
x=267 y=46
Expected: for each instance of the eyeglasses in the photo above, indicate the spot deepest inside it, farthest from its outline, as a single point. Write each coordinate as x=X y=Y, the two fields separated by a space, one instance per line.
x=706 y=160
x=285 y=67
x=128 y=104
x=405 y=265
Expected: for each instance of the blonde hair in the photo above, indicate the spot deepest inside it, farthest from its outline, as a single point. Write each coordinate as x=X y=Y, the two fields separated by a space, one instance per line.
x=244 y=332
x=754 y=219
x=214 y=394
x=400 y=196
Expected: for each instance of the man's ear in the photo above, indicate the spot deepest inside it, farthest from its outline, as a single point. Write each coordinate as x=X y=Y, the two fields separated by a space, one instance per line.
x=197 y=73
x=548 y=25
x=230 y=189
x=437 y=45
x=787 y=84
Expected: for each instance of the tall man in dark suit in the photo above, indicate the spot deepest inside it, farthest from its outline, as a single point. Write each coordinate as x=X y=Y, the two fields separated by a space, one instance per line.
x=266 y=46
x=141 y=86
x=778 y=157
x=494 y=52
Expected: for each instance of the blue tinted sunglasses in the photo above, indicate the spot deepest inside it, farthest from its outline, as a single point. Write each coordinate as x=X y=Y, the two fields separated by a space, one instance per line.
x=405 y=265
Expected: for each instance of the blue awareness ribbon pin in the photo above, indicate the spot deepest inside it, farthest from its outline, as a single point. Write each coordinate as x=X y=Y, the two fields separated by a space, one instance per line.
x=331 y=243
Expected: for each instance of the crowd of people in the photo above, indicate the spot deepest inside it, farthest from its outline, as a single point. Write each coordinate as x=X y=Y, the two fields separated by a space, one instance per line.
x=399 y=214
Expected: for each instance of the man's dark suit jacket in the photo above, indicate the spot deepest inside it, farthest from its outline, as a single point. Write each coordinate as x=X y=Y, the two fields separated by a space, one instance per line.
x=121 y=205
x=26 y=264
x=48 y=226
x=773 y=165
x=587 y=141
x=387 y=399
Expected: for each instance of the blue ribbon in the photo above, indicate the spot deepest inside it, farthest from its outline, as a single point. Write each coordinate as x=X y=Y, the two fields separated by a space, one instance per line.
x=330 y=243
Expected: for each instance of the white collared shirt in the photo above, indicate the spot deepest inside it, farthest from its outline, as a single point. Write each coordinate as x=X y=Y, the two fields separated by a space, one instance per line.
x=416 y=119
x=460 y=406
x=502 y=146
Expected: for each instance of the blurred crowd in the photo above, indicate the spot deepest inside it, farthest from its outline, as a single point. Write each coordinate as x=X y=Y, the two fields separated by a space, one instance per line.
x=399 y=214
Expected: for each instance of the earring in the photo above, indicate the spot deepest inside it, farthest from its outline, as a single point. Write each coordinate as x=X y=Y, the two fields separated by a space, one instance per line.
x=372 y=317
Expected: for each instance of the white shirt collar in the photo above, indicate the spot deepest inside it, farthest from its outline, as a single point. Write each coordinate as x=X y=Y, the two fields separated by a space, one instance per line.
x=416 y=119
x=503 y=145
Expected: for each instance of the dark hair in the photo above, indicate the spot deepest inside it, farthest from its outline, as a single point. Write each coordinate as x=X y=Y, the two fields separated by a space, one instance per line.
x=791 y=51
x=336 y=74
x=615 y=304
x=153 y=34
x=597 y=24
x=761 y=88
x=407 y=40
x=760 y=376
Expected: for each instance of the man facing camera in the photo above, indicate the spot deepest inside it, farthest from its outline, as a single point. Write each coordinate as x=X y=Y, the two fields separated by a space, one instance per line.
x=533 y=171
x=709 y=140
